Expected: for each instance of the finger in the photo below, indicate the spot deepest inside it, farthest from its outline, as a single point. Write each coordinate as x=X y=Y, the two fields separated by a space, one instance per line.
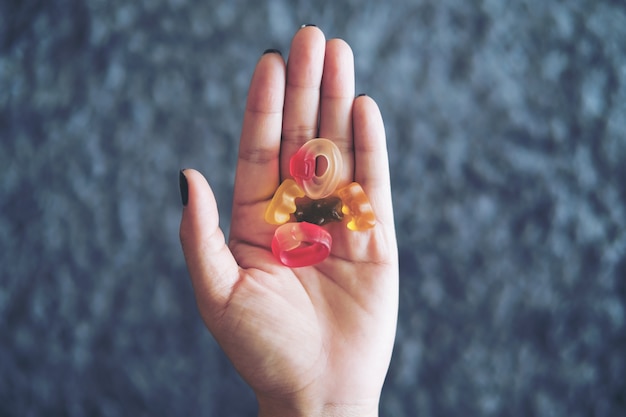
x=337 y=93
x=257 y=174
x=212 y=268
x=302 y=96
x=371 y=160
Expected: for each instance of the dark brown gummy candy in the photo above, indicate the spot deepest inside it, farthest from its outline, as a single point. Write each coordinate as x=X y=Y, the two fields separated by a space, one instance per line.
x=319 y=212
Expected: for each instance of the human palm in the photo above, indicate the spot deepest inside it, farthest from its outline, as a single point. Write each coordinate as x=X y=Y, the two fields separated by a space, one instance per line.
x=314 y=340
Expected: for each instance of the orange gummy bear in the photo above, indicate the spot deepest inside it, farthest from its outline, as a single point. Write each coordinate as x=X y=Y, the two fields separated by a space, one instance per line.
x=356 y=207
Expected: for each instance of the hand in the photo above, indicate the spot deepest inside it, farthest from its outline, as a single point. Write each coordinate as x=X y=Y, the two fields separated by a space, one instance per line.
x=315 y=340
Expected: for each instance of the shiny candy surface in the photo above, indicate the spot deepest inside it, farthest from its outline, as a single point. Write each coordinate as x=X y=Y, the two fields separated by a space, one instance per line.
x=283 y=203
x=318 y=178
x=312 y=199
x=319 y=212
x=356 y=207
x=301 y=244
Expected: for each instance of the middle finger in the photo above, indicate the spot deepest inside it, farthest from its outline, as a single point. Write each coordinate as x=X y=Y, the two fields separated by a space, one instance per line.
x=302 y=94
x=336 y=102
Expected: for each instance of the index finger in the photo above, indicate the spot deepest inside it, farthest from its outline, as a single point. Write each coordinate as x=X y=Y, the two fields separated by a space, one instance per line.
x=257 y=174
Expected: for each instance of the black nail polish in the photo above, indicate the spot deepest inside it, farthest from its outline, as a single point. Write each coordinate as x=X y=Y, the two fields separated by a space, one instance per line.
x=272 y=51
x=306 y=25
x=184 y=187
x=362 y=95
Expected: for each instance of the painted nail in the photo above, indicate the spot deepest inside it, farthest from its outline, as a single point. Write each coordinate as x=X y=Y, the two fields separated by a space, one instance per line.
x=184 y=187
x=272 y=51
x=362 y=95
x=306 y=25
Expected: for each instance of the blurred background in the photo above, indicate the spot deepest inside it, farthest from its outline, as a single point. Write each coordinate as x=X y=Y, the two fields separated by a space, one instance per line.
x=506 y=124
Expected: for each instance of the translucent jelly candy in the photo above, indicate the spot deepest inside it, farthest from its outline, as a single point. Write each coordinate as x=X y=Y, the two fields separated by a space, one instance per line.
x=316 y=169
x=301 y=244
x=319 y=212
x=356 y=207
x=305 y=166
x=283 y=203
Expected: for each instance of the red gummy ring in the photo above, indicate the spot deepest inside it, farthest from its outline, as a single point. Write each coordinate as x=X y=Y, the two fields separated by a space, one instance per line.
x=304 y=163
x=301 y=244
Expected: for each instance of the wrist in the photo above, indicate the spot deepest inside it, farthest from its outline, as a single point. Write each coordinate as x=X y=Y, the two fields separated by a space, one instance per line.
x=270 y=408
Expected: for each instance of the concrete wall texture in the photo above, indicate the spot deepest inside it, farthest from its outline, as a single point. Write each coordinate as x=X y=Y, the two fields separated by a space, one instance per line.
x=506 y=124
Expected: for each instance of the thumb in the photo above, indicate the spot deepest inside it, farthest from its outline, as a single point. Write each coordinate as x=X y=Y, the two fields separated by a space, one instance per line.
x=211 y=265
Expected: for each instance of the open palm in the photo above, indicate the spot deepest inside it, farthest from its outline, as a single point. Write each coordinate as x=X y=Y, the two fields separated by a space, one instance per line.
x=315 y=340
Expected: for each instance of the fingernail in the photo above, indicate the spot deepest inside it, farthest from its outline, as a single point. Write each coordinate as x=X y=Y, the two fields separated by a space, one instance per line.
x=361 y=95
x=306 y=25
x=272 y=51
x=184 y=187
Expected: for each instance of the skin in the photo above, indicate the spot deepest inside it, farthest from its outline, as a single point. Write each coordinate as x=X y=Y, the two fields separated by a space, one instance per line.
x=312 y=341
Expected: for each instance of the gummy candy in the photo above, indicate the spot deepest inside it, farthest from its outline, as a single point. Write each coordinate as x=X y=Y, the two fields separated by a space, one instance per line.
x=283 y=203
x=319 y=212
x=316 y=171
x=305 y=165
x=356 y=207
x=301 y=244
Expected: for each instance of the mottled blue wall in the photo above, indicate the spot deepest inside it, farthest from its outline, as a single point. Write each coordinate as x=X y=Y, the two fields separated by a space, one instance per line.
x=507 y=132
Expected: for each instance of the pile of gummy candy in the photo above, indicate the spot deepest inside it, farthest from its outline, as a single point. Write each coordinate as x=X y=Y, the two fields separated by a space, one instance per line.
x=312 y=198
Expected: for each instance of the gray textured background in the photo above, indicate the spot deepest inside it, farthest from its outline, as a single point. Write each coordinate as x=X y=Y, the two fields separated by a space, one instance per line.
x=507 y=132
